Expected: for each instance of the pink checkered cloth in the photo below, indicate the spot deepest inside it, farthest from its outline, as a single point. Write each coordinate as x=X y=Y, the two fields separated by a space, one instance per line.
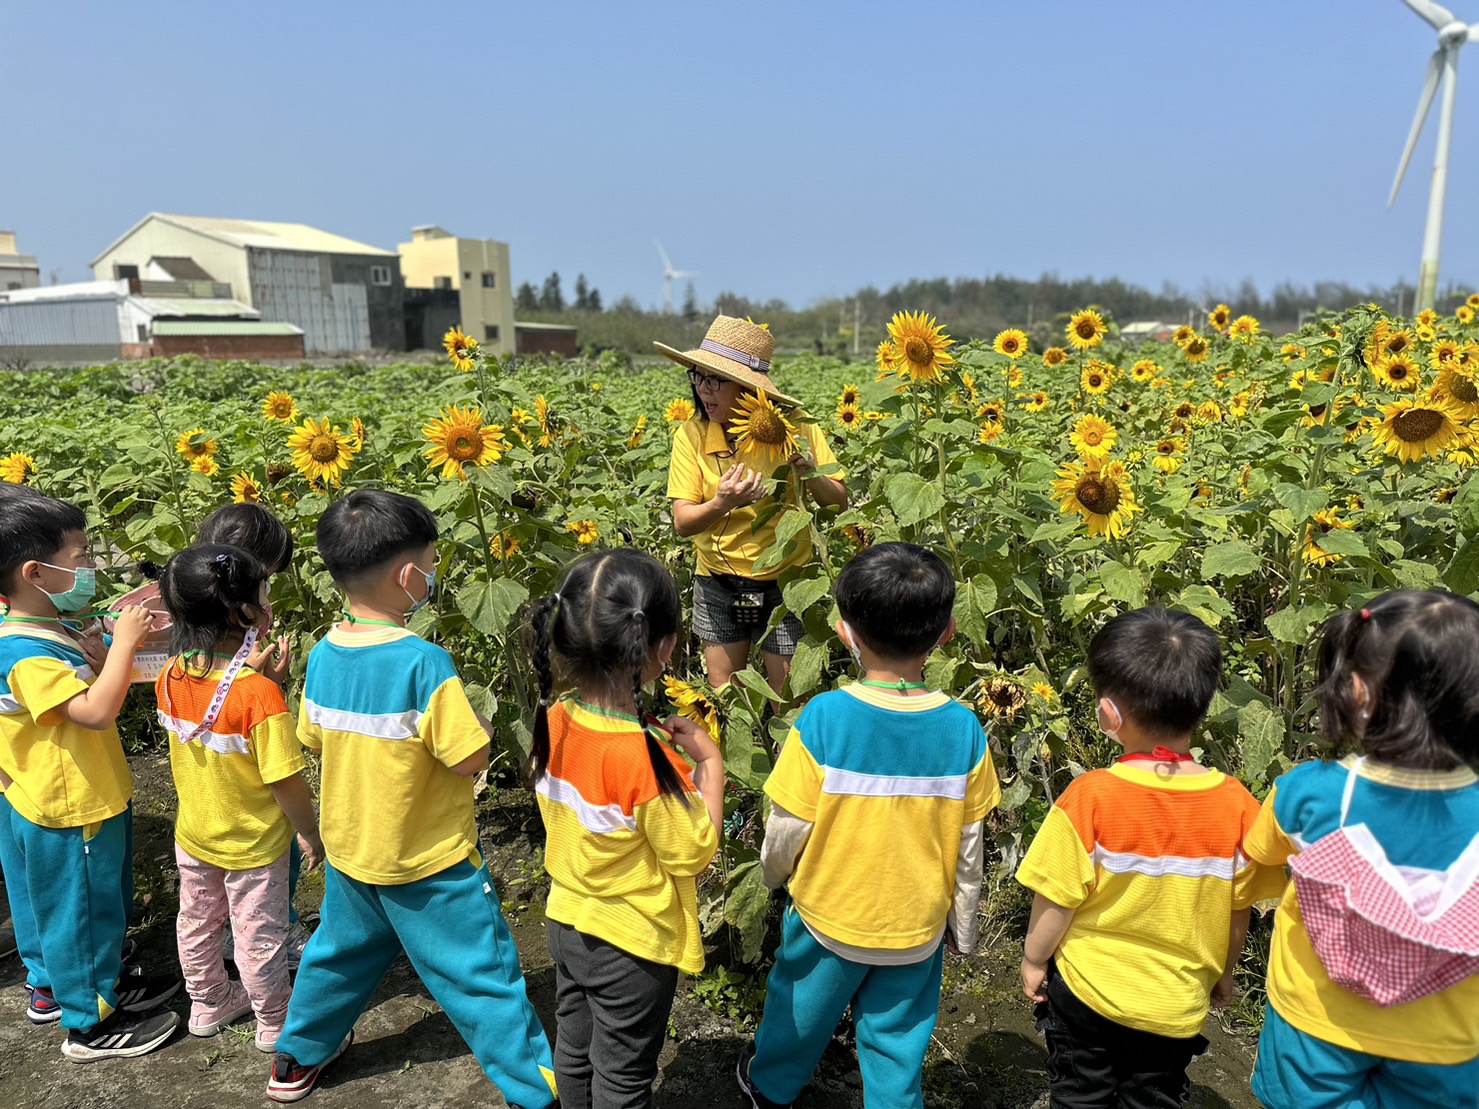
x=1388 y=934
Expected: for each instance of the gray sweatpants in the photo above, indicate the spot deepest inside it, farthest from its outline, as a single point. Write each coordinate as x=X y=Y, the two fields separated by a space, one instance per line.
x=611 y=1010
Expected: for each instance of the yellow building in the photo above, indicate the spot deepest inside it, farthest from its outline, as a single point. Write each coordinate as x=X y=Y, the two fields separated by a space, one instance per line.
x=477 y=270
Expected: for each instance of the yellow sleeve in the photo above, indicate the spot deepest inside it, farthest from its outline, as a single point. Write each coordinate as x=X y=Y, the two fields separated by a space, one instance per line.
x=1267 y=843
x=796 y=782
x=685 y=477
x=821 y=450
x=449 y=726
x=682 y=836
x=279 y=754
x=982 y=790
x=310 y=735
x=42 y=685
x=1057 y=866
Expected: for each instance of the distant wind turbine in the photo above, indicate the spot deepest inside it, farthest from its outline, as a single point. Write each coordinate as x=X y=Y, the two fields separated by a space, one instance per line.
x=1452 y=35
x=668 y=273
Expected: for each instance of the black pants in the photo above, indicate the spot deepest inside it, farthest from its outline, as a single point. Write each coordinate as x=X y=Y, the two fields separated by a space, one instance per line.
x=1094 y=1063
x=612 y=1011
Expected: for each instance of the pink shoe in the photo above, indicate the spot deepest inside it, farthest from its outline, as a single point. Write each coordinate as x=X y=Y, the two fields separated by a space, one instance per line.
x=267 y=1037
x=207 y=1020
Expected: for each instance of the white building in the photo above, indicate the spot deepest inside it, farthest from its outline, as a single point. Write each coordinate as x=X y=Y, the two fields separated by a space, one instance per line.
x=17 y=270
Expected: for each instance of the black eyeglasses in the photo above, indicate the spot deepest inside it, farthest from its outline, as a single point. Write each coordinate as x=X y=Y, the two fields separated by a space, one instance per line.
x=706 y=382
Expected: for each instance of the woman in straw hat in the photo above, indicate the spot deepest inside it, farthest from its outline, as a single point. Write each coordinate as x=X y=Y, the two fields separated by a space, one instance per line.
x=728 y=464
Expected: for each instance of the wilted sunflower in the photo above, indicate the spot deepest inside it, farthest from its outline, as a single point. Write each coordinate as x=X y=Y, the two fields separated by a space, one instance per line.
x=1002 y=699
x=849 y=417
x=691 y=704
x=1399 y=372
x=1011 y=342
x=1037 y=402
x=1086 y=329
x=461 y=349
x=278 y=472
x=852 y=395
x=679 y=411
x=1460 y=391
x=195 y=444
x=584 y=530
x=280 y=407
x=1219 y=318
x=1096 y=378
x=1144 y=370
x=321 y=452
x=458 y=438
x=503 y=547
x=1093 y=438
x=762 y=427
x=1054 y=357
x=1184 y=411
x=1101 y=494
x=14 y=468
x=1244 y=328
x=858 y=535
x=1417 y=429
x=245 y=489
x=1325 y=520
x=205 y=464
x=1168 y=455
x=920 y=346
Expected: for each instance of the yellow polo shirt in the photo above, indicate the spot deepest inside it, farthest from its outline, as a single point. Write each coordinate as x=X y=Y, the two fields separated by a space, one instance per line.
x=701 y=457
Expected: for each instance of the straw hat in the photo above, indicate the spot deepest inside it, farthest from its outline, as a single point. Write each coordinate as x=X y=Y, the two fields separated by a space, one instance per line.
x=737 y=350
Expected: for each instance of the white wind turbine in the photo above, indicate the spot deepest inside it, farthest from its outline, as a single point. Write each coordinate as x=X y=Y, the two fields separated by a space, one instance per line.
x=1452 y=35
x=668 y=273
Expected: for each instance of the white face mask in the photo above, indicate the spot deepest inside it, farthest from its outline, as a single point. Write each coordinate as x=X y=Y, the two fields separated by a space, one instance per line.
x=850 y=638
x=1112 y=733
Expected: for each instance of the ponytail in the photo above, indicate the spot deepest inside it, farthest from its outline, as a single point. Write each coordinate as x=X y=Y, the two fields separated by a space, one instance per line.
x=541 y=617
x=668 y=782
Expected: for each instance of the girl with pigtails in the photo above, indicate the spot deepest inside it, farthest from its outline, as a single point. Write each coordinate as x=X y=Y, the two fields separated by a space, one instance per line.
x=629 y=827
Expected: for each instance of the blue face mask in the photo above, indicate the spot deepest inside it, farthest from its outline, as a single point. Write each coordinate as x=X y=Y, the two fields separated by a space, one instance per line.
x=431 y=583
x=84 y=588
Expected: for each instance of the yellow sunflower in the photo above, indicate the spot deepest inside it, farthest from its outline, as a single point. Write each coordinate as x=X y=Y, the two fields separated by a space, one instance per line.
x=1054 y=357
x=990 y=433
x=1101 y=494
x=1427 y=318
x=1096 y=378
x=1395 y=342
x=1291 y=351
x=679 y=411
x=14 y=468
x=1011 y=342
x=1426 y=334
x=1209 y=412
x=504 y=547
x=1044 y=691
x=194 y=444
x=634 y=440
x=858 y=535
x=886 y=356
x=993 y=411
x=1086 y=329
x=1399 y=372
x=1325 y=521
x=1144 y=370
x=920 y=346
x=852 y=395
x=584 y=530
x=1464 y=314
x=763 y=428
x=1473 y=300
x=849 y=417
x=205 y=464
x=1168 y=455
x=461 y=349
x=1037 y=402
x=1219 y=318
x=1244 y=328
x=1184 y=334
x=1417 y=429
x=1093 y=438
x=692 y=704
x=1445 y=353
x=321 y=452
x=1459 y=391
x=245 y=489
x=458 y=438
x=280 y=407
x=1197 y=349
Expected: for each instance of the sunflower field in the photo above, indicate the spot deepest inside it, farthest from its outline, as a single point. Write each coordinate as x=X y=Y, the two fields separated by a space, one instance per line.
x=1259 y=482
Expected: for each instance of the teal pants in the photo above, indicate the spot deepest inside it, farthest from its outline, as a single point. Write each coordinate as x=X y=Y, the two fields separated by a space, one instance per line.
x=452 y=928
x=77 y=913
x=22 y=912
x=1298 y=1071
x=810 y=988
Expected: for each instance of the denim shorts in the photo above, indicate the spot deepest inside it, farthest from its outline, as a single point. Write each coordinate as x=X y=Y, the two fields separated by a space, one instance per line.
x=712 y=595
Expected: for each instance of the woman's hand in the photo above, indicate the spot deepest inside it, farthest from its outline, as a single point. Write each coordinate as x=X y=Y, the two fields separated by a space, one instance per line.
x=740 y=485
x=801 y=462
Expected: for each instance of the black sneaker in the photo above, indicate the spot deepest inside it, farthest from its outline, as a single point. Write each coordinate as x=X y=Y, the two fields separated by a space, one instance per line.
x=742 y=1073
x=121 y=1036
x=139 y=992
x=130 y=950
x=291 y=1081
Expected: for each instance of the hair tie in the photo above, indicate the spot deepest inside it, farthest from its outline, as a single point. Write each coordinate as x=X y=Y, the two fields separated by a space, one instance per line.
x=555 y=598
x=221 y=557
x=1365 y=614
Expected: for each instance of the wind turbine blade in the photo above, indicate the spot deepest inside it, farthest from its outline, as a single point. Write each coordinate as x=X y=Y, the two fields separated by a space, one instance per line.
x=1474 y=33
x=1436 y=14
x=1425 y=102
x=685 y=273
x=663 y=254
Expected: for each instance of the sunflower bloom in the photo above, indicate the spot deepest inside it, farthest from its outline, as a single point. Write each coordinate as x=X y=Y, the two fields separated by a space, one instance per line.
x=1093 y=438
x=849 y=416
x=1291 y=351
x=503 y=547
x=1326 y=520
x=1086 y=329
x=280 y=407
x=1209 y=412
x=584 y=530
x=1445 y=353
x=1416 y=429
x=678 y=411
x=1464 y=314
x=1197 y=349
x=1011 y=342
x=990 y=433
x=1244 y=328
x=1399 y=372
x=1037 y=402
x=1144 y=370
x=851 y=394
x=920 y=346
x=461 y=349
x=458 y=438
x=244 y=489
x=1460 y=391
x=762 y=427
x=1427 y=318
x=1100 y=493
x=886 y=355
x=1044 y=691
x=1168 y=454
x=1095 y=379
x=1054 y=357
x=1001 y=699
x=1184 y=334
x=205 y=464
x=322 y=452
x=692 y=704
x=1219 y=318
x=14 y=468
x=195 y=444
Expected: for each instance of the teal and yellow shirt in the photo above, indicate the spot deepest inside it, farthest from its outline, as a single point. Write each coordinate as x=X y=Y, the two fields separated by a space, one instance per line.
x=388 y=712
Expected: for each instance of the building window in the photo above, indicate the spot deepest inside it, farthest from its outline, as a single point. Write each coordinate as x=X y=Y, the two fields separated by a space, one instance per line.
x=143 y=332
x=379 y=275
x=466 y=276
x=490 y=280
x=490 y=332
x=129 y=272
x=441 y=282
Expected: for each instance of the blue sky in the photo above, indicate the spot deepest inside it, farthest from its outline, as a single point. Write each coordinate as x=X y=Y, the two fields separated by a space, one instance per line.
x=795 y=150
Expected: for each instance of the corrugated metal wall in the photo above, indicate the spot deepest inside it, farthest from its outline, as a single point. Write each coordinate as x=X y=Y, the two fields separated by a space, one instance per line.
x=297 y=288
x=61 y=323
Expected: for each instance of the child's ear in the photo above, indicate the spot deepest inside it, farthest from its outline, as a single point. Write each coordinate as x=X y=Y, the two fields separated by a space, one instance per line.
x=949 y=633
x=666 y=648
x=840 y=628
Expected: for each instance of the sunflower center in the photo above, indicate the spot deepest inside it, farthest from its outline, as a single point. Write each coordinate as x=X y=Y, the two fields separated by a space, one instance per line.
x=463 y=448
x=918 y=351
x=1093 y=437
x=1397 y=345
x=1085 y=329
x=1098 y=495
x=1464 y=390
x=1417 y=424
x=1397 y=372
x=766 y=427
x=1167 y=448
x=324 y=448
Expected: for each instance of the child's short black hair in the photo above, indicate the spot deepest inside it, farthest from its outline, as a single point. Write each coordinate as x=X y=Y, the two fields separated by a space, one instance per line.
x=252 y=528
x=897 y=598
x=1159 y=667
x=369 y=528
x=33 y=527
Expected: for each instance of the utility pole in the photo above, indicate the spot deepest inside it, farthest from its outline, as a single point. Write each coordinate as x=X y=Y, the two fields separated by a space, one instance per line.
x=857 y=326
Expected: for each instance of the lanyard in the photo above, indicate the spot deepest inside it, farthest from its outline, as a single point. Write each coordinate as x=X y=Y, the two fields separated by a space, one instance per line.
x=348 y=619
x=899 y=686
x=223 y=688
x=1159 y=754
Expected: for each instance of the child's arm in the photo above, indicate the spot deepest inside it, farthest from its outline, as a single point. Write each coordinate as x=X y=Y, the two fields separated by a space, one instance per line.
x=96 y=709
x=296 y=801
x=708 y=770
x=1045 y=932
x=963 y=927
x=786 y=836
x=1226 y=990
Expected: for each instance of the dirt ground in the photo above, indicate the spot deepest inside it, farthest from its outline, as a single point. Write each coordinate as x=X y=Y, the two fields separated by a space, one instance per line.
x=406 y=1052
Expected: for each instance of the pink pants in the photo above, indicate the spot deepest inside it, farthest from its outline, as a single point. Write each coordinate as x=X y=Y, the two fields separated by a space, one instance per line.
x=256 y=904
